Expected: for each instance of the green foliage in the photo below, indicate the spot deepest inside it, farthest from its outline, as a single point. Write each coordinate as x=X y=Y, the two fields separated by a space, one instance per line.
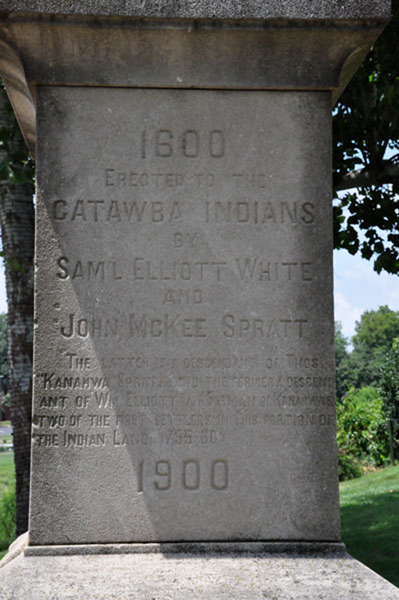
x=7 y=518
x=7 y=471
x=7 y=501
x=348 y=466
x=3 y=359
x=377 y=329
x=6 y=401
x=370 y=520
x=362 y=435
x=373 y=339
x=343 y=365
x=390 y=393
x=366 y=125
x=375 y=333
x=3 y=345
x=16 y=166
x=390 y=381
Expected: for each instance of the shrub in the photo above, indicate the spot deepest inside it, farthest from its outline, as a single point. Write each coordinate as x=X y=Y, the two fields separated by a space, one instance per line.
x=348 y=466
x=7 y=518
x=362 y=434
x=389 y=390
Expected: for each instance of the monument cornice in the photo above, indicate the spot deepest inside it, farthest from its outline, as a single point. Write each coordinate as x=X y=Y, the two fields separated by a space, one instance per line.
x=206 y=9
x=294 y=46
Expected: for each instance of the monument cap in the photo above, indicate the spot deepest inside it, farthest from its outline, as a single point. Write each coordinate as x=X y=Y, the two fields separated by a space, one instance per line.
x=205 y=9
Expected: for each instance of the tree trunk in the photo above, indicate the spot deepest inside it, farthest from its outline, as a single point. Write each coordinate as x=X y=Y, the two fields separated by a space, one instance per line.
x=17 y=231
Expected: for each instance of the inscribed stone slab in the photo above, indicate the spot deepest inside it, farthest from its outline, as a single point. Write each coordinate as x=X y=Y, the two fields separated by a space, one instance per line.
x=184 y=384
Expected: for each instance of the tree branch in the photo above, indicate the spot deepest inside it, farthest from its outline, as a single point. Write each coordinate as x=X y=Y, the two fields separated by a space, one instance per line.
x=366 y=177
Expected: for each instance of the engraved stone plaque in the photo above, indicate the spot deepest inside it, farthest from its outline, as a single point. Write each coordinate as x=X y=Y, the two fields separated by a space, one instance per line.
x=184 y=382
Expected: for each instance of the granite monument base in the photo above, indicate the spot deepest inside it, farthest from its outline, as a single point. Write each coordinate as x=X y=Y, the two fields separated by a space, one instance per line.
x=219 y=573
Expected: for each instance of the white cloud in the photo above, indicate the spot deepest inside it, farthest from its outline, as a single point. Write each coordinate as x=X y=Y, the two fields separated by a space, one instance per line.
x=393 y=299
x=359 y=288
x=346 y=313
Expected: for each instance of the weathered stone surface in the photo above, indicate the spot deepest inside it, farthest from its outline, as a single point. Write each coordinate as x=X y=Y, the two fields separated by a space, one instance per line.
x=304 y=45
x=199 y=548
x=148 y=55
x=16 y=548
x=184 y=286
x=184 y=290
x=206 y=9
x=157 y=576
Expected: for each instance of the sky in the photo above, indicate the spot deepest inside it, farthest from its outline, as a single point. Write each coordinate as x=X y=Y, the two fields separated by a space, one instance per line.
x=356 y=288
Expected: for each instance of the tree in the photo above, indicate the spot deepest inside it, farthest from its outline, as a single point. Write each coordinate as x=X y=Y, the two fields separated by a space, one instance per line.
x=366 y=156
x=373 y=339
x=390 y=395
x=374 y=335
x=362 y=435
x=3 y=345
x=343 y=365
x=17 y=231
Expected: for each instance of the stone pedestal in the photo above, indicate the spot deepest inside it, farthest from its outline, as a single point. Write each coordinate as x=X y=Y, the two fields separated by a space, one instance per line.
x=184 y=362
x=296 y=573
x=192 y=386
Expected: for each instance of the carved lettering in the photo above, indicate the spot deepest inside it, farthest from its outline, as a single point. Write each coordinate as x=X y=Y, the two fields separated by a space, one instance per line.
x=88 y=270
x=166 y=326
x=259 y=212
x=124 y=179
x=258 y=269
x=164 y=143
x=177 y=270
x=251 y=328
x=179 y=297
x=190 y=474
x=116 y=211
x=182 y=240
x=84 y=440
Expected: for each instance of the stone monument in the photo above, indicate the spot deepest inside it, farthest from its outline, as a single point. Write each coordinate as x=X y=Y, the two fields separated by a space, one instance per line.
x=184 y=401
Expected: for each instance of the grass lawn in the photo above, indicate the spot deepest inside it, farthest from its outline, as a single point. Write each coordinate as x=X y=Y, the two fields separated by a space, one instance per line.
x=5 y=439
x=7 y=480
x=370 y=520
x=7 y=472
